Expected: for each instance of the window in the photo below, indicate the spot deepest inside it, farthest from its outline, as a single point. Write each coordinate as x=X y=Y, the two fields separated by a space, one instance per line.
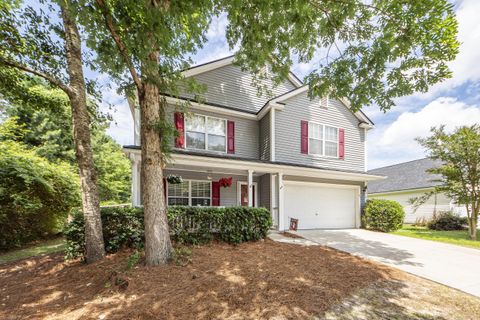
x=206 y=133
x=190 y=193
x=322 y=140
x=178 y=194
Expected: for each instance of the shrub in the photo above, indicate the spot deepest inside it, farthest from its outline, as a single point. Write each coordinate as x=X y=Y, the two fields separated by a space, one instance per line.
x=383 y=215
x=35 y=195
x=447 y=221
x=123 y=226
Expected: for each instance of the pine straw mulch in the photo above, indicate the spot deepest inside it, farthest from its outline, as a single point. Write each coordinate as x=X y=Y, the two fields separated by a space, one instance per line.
x=254 y=280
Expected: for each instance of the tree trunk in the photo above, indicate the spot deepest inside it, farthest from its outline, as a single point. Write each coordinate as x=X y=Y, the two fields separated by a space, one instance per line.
x=95 y=249
x=157 y=239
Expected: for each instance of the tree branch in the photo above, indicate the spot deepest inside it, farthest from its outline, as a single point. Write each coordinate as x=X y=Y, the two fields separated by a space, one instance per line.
x=56 y=82
x=118 y=41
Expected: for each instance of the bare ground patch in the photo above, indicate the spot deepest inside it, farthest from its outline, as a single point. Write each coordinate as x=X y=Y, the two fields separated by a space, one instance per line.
x=253 y=280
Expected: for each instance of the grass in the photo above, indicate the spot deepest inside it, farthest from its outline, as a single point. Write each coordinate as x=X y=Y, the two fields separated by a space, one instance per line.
x=453 y=237
x=45 y=247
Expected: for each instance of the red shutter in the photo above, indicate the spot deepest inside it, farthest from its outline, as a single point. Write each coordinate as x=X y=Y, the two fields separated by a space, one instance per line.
x=215 y=193
x=165 y=190
x=341 y=143
x=230 y=136
x=180 y=126
x=304 y=136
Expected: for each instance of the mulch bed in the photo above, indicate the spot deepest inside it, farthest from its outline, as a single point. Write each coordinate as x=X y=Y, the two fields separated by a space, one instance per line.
x=264 y=279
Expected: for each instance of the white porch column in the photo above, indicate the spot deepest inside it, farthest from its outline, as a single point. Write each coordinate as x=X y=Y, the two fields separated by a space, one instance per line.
x=281 y=213
x=136 y=200
x=250 y=188
x=273 y=200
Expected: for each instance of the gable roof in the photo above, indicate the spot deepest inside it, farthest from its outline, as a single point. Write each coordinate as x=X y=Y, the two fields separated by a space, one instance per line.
x=215 y=64
x=362 y=117
x=405 y=176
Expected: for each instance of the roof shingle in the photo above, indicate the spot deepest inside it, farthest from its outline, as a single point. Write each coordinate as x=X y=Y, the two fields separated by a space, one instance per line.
x=405 y=176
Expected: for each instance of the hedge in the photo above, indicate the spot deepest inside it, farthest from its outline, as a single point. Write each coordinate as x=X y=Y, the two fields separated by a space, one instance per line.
x=447 y=221
x=383 y=215
x=123 y=226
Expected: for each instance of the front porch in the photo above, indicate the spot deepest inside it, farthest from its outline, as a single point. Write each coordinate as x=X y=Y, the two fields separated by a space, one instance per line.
x=283 y=189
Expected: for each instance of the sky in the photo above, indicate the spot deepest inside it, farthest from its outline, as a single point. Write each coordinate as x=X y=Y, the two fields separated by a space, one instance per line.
x=453 y=103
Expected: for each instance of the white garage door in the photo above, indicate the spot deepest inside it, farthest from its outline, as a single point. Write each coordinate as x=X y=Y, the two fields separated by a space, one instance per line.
x=320 y=206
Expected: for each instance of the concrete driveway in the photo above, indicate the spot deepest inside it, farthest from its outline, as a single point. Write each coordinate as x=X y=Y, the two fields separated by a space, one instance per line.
x=451 y=265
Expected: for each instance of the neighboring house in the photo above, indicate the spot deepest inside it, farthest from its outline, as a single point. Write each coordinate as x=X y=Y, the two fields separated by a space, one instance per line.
x=299 y=158
x=411 y=180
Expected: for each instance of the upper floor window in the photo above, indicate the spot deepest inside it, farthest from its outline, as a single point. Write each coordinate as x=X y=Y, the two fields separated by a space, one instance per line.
x=322 y=140
x=206 y=133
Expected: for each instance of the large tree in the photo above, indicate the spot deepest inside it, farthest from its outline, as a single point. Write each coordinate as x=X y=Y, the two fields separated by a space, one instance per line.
x=459 y=153
x=374 y=51
x=31 y=41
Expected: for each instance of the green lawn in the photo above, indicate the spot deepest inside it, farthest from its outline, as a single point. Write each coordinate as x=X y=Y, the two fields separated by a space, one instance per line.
x=454 y=237
x=45 y=247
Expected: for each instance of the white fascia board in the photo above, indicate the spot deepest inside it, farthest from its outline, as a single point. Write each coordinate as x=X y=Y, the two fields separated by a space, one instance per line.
x=290 y=94
x=423 y=190
x=207 y=67
x=293 y=79
x=270 y=105
x=206 y=107
x=222 y=163
x=239 y=114
x=183 y=159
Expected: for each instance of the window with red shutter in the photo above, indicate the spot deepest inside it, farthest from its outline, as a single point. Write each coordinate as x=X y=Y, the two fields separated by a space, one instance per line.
x=304 y=136
x=215 y=193
x=230 y=136
x=341 y=143
x=180 y=126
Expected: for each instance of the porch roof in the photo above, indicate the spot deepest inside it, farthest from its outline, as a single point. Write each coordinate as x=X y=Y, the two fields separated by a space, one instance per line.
x=224 y=161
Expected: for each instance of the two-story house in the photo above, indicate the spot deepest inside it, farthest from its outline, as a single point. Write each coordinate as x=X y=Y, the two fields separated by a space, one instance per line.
x=300 y=158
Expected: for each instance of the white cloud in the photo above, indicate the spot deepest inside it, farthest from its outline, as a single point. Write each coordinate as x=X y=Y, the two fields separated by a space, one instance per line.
x=121 y=128
x=396 y=143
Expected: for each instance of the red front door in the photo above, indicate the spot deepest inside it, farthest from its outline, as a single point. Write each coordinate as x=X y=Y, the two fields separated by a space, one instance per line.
x=244 y=195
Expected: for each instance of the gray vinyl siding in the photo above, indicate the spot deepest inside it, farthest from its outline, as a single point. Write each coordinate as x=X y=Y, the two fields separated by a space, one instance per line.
x=264 y=191
x=264 y=144
x=246 y=135
x=228 y=196
x=287 y=137
x=232 y=87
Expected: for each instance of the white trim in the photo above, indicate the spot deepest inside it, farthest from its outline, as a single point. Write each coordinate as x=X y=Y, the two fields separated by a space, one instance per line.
x=209 y=66
x=360 y=116
x=204 y=107
x=273 y=201
x=234 y=164
x=205 y=132
x=270 y=106
x=272 y=134
x=376 y=194
x=239 y=192
x=281 y=202
x=365 y=150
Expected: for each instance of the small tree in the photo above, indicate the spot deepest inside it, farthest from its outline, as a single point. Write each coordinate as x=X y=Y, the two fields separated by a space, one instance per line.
x=460 y=171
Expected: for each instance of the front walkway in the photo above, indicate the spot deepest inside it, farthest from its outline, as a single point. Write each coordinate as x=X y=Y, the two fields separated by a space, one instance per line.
x=447 y=264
